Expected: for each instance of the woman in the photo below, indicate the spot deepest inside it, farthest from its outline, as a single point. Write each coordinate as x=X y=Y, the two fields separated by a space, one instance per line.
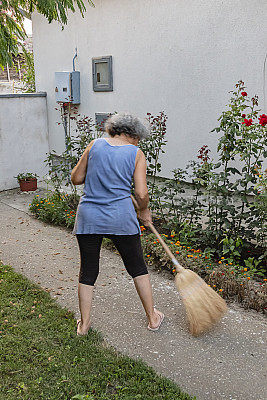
x=107 y=167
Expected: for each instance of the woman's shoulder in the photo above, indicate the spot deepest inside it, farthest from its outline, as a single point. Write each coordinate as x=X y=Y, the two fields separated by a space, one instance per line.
x=140 y=157
x=97 y=141
x=139 y=152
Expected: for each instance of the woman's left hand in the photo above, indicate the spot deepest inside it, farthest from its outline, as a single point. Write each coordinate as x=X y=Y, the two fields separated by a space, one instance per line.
x=145 y=216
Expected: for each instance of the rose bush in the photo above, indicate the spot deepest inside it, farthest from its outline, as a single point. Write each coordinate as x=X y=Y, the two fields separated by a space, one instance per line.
x=225 y=208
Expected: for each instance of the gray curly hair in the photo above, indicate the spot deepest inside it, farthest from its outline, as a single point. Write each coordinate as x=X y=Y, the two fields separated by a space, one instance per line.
x=128 y=124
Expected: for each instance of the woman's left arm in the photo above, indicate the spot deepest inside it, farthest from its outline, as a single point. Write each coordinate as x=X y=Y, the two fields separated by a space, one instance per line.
x=79 y=171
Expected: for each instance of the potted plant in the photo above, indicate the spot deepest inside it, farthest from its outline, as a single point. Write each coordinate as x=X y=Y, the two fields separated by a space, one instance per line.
x=27 y=181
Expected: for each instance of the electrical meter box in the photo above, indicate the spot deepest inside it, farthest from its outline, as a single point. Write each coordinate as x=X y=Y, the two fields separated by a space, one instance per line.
x=67 y=87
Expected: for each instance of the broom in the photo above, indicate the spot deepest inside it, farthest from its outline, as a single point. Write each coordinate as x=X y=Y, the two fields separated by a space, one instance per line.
x=204 y=307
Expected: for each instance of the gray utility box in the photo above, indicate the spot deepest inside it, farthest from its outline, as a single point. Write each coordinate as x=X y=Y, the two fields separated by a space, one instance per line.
x=67 y=87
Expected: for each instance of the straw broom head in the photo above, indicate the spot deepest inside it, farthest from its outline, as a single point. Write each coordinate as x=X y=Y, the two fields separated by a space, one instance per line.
x=204 y=307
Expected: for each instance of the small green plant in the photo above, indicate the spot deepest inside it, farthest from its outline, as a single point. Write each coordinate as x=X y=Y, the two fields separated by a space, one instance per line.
x=25 y=176
x=260 y=204
x=188 y=234
x=28 y=73
x=253 y=266
x=232 y=248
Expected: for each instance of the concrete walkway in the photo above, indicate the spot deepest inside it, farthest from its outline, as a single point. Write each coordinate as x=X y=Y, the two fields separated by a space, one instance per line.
x=228 y=363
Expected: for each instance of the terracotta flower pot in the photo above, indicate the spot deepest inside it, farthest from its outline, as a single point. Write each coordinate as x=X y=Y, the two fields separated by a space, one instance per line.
x=27 y=185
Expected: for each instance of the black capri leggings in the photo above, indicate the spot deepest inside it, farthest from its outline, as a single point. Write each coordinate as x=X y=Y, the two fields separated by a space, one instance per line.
x=129 y=247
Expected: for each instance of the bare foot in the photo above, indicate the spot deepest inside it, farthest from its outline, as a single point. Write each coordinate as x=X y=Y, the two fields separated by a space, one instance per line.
x=82 y=329
x=155 y=320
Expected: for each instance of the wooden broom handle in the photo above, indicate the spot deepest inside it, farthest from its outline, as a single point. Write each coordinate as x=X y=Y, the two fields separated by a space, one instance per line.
x=178 y=267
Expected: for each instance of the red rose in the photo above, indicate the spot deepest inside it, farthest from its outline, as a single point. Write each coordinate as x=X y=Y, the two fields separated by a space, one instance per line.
x=263 y=119
x=244 y=94
x=247 y=122
x=243 y=115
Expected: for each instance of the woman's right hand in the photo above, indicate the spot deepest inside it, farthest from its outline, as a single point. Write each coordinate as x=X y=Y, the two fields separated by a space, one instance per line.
x=145 y=216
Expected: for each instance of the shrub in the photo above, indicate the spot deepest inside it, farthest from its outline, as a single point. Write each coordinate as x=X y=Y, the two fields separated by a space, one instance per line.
x=56 y=208
x=227 y=204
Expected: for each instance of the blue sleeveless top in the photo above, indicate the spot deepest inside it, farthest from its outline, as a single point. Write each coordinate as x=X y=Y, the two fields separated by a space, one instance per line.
x=105 y=206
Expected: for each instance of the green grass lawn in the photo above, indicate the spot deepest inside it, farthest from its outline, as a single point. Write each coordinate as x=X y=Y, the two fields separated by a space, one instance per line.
x=42 y=357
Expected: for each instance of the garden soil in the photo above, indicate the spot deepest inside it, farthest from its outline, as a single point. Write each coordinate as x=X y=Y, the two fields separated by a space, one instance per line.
x=228 y=363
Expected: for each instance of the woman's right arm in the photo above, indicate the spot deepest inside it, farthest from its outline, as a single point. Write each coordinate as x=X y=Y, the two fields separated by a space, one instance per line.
x=140 y=188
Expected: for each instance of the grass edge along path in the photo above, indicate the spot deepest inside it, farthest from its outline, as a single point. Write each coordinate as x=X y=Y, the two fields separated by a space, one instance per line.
x=42 y=357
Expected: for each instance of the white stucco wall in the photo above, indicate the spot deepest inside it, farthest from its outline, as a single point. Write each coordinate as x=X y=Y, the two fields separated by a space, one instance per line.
x=178 y=56
x=23 y=136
